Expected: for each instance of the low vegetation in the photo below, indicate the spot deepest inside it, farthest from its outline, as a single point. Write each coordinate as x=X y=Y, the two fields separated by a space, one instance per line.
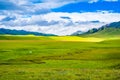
x=59 y=58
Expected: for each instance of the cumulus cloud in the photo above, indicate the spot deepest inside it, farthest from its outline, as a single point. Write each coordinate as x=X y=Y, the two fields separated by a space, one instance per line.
x=61 y=23
x=56 y=29
x=61 y=18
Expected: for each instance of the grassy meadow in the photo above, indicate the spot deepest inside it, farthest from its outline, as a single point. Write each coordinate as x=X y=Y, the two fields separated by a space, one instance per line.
x=59 y=58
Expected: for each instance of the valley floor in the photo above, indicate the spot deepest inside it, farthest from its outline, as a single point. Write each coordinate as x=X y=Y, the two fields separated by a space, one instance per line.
x=59 y=59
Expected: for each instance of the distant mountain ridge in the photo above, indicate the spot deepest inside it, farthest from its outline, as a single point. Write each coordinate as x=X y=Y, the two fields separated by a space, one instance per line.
x=77 y=33
x=21 y=32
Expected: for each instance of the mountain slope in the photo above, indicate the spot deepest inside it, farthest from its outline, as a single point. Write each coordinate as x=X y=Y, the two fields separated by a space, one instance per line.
x=109 y=30
x=21 y=32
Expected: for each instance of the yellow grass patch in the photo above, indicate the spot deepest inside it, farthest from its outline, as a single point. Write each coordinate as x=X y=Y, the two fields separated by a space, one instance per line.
x=76 y=38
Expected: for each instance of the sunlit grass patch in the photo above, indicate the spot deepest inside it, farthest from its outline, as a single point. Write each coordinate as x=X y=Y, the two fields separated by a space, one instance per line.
x=76 y=38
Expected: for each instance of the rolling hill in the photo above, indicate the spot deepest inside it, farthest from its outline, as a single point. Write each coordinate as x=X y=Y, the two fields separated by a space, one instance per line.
x=109 y=30
x=21 y=32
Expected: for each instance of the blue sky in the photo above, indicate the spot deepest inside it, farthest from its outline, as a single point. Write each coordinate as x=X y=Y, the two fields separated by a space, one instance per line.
x=61 y=17
x=90 y=7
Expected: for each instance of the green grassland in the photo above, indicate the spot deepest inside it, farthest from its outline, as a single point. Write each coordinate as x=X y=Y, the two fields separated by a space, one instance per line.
x=59 y=58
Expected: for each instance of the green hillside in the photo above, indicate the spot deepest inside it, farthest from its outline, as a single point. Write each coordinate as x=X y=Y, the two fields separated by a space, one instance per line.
x=109 y=30
x=21 y=37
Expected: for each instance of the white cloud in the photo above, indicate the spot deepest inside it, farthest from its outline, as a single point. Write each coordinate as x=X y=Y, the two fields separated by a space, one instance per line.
x=2 y=17
x=92 y=1
x=29 y=5
x=33 y=7
x=83 y=17
x=19 y=2
x=43 y=4
x=54 y=23
x=56 y=29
